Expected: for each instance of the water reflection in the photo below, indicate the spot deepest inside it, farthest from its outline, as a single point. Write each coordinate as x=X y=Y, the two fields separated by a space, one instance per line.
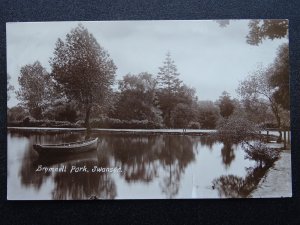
x=227 y=152
x=231 y=186
x=176 y=154
x=83 y=185
x=141 y=156
x=27 y=170
x=157 y=161
x=137 y=156
x=208 y=141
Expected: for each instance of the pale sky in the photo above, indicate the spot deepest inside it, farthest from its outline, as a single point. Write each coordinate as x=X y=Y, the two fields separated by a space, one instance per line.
x=209 y=58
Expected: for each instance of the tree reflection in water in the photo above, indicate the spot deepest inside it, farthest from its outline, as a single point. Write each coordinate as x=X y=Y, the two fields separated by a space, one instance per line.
x=207 y=141
x=175 y=155
x=27 y=170
x=67 y=185
x=28 y=175
x=83 y=185
x=231 y=186
x=142 y=158
x=227 y=153
x=136 y=155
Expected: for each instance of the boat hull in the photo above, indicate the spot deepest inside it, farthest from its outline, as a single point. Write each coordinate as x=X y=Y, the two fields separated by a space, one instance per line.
x=67 y=148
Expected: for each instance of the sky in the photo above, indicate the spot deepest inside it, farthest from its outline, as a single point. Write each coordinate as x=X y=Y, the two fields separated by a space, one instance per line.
x=209 y=58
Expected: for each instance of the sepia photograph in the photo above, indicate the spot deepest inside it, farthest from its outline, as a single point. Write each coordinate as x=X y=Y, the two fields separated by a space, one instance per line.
x=153 y=109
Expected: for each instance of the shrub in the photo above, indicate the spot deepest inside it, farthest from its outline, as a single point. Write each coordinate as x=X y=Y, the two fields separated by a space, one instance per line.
x=80 y=123
x=236 y=126
x=194 y=125
x=105 y=122
x=31 y=122
x=28 y=120
x=261 y=153
x=17 y=113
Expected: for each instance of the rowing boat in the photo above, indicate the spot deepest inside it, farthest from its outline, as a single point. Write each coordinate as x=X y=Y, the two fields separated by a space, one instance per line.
x=66 y=148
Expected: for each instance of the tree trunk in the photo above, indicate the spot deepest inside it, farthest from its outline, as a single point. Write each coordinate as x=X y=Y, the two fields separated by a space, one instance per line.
x=87 y=117
x=279 y=127
x=169 y=119
x=275 y=110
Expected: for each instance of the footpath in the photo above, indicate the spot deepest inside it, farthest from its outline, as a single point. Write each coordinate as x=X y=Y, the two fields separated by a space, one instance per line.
x=278 y=180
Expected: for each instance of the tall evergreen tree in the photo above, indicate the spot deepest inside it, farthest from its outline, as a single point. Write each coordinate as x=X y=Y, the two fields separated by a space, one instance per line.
x=169 y=86
x=168 y=76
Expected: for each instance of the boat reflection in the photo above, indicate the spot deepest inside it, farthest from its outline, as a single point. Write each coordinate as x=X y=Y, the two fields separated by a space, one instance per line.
x=139 y=157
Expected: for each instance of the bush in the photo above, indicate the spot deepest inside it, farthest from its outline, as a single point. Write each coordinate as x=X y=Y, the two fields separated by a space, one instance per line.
x=194 y=125
x=31 y=122
x=261 y=153
x=105 y=122
x=28 y=120
x=236 y=126
x=80 y=123
x=17 y=113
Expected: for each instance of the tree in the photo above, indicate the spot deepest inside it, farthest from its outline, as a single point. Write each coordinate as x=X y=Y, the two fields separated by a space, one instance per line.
x=62 y=111
x=137 y=99
x=10 y=87
x=208 y=114
x=16 y=113
x=181 y=115
x=226 y=105
x=223 y=23
x=274 y=29
x=259 y=30
x=256 y=88
x=262 y=29
x=169 y=86
x=279 y=76
x=83 y=70
x=35 y=91
x=185 y=107
x=168 y=76
x=257 y=111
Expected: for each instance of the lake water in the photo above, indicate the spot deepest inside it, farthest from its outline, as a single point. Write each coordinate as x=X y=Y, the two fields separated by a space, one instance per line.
x=142 y=167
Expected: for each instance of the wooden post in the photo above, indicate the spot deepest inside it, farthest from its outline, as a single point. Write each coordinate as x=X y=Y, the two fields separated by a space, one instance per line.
x=267 y=136
x=284 y=139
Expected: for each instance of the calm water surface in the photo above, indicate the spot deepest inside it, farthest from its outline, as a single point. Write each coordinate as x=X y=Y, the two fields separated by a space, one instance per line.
x=152 y=167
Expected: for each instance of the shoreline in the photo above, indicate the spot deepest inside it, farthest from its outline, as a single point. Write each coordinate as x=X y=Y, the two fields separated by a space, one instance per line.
x=277 y=182
x=195 y=132
x=128 y=131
